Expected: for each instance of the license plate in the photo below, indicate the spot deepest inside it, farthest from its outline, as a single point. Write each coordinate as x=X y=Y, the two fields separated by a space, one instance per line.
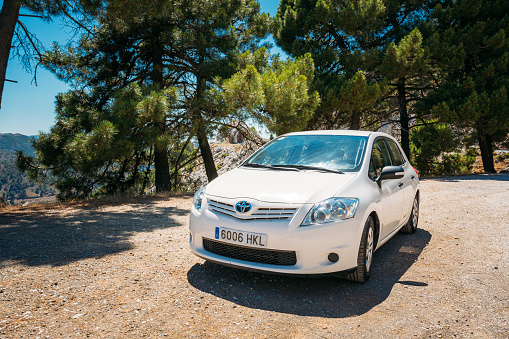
x=241 y=237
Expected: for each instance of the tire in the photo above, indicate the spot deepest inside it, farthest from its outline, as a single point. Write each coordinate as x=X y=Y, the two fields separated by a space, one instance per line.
x=411 y=226
x=365 y=256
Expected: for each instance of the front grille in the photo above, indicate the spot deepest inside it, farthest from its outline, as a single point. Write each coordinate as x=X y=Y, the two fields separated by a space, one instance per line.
x=282 y=258
x=259 y=213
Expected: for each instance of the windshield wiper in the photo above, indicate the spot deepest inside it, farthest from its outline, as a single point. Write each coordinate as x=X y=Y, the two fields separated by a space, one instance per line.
x=256 y=165
x=270 y=167
x=306 y=167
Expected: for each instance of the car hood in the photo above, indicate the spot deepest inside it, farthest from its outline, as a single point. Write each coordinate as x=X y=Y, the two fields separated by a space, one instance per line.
x=278 y=186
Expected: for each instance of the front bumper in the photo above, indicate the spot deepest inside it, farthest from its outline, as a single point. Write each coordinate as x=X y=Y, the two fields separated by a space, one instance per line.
x=311 y=244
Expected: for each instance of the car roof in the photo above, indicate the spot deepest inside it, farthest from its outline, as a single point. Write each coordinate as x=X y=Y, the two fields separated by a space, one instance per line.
x=334 y=132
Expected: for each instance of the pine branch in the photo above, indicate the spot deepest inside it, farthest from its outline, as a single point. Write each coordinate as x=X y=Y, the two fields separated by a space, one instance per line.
x=79 y=24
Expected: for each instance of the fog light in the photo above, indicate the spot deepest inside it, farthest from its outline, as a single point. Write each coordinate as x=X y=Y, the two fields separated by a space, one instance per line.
x=333 y=257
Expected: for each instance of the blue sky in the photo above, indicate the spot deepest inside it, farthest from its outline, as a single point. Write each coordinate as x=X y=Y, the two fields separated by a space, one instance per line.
x=27 y=108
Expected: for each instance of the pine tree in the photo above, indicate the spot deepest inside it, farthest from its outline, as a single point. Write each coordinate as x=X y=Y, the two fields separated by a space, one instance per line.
x=168 y=44
x=276 y=93
x=344 y=38
x=469 y=44
x=338 y=36
x=94 y=152
x=405 y=67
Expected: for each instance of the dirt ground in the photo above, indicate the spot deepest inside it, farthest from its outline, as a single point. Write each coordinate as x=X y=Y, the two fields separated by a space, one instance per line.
x=124 y=269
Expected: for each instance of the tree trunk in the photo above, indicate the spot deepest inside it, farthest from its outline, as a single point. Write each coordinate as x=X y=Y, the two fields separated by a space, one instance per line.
x=162 y=166
x=163 y=179
x=486 y=146
x=147 y=171
x=8 y=18
x=201 y=133
x=179 y=158
x=355 y=122
x=206 y=152
x=403 y=117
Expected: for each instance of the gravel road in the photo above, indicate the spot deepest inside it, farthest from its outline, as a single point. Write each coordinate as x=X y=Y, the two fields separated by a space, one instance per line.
x=124 y=269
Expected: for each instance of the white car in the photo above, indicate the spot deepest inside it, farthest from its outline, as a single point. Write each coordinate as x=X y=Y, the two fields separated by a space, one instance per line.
x=308 y=203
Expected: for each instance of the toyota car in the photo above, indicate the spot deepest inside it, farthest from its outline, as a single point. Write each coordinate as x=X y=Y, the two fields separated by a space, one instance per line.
x=308 y=203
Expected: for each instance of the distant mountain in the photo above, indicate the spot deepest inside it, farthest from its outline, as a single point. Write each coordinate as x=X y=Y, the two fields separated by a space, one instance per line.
x=15 y=186
x=16 y=142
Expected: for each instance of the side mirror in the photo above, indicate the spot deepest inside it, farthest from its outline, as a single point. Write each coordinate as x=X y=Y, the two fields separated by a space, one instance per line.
x=391 y=172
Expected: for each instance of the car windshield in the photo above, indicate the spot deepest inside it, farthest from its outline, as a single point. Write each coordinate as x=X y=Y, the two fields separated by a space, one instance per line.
x=340 y=153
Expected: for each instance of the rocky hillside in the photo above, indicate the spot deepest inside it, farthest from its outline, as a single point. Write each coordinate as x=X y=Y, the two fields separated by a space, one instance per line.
x=227 y=156
x=15 y=186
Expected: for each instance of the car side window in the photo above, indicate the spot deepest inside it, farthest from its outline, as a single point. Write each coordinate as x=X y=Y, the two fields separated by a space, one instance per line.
x=397 y=158
x=380 y=158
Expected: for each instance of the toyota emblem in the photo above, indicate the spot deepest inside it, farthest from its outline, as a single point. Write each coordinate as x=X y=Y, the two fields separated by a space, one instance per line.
x=243 y=207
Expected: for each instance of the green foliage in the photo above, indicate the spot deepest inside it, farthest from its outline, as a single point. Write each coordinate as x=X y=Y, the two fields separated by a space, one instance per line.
x=91 y=151
x=405 y=59
x=456 y=164
x=154 y=75
x=432 y=145
x=347 y=41
x=428 y=142
x=502 y=157
x=357 y=95
x=183 y=46
x=278 y=95
x=470 y=45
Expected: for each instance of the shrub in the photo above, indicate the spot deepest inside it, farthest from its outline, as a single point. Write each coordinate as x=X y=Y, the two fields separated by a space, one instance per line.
x=427 y=143
x=433 y=147
x=455 y=164
x=502 y=157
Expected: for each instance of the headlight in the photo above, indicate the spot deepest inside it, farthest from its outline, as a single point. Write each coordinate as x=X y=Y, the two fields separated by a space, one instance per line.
x=198 y=198
x=330 y=210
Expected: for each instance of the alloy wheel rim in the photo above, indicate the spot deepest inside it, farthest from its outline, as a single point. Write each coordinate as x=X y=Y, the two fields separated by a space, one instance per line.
x=369 y=249
x=415 y=215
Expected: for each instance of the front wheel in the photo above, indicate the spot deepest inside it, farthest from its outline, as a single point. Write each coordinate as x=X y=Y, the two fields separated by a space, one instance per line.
x=411 y=225
x=365 y=256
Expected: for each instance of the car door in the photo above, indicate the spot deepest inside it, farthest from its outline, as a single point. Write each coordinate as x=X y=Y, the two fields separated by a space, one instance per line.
x=391 y=196
x=407 y=181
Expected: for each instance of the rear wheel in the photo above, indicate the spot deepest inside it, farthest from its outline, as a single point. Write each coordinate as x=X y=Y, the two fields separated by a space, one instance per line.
x=411 y=225
x=365 y=256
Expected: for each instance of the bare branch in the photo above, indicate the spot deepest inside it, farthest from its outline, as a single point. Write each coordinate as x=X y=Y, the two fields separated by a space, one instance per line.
x=191 y=159
x=32 y=16
x=29 y=37
x=35 y=72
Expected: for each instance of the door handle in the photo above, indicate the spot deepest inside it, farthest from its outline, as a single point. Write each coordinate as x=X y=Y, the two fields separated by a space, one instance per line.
x=412 y=177
x=400 y=184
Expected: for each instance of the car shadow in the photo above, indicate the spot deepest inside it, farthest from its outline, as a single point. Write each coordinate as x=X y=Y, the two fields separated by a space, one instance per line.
x=322 y=297
x=37 y=238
